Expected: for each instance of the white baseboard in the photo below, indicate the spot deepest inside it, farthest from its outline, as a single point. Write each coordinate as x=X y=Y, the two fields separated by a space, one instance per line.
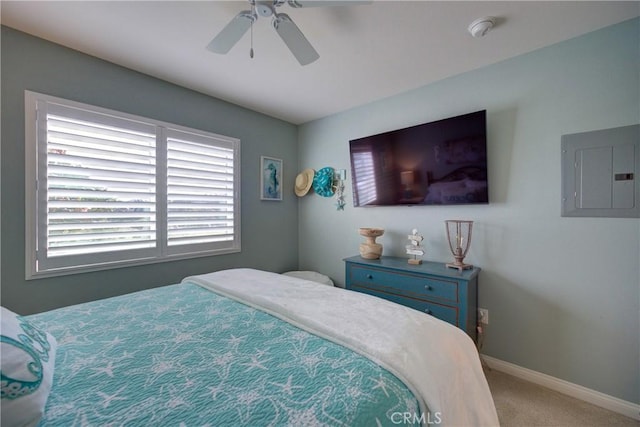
x=602 y=400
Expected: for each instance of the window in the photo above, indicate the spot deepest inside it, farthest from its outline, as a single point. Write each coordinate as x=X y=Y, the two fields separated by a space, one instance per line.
x=106 y=189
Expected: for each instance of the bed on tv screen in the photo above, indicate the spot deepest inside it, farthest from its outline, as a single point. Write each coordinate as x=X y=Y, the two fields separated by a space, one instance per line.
x=442 y=162
x=241 y=347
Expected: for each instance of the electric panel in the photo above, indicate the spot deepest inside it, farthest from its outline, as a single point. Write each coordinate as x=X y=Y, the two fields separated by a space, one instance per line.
x=600 y=173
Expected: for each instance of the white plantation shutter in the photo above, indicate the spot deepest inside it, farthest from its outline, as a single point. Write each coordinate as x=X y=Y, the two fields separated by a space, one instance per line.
x=98 y=189
x=107 y=189
x=200 y=191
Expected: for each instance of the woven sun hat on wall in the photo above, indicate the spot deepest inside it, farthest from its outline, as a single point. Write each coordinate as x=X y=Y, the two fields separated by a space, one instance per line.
x=304 y=180
x=323 y=182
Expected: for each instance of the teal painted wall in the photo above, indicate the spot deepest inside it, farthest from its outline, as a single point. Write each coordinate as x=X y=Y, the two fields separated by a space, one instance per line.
x=34 y=64
x=563 y=293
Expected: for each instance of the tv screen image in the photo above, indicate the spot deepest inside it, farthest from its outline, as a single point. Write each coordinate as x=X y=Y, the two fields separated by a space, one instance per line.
x=437 y=163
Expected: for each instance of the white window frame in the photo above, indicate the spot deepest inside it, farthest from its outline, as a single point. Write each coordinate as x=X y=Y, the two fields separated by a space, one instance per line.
x=35 y=197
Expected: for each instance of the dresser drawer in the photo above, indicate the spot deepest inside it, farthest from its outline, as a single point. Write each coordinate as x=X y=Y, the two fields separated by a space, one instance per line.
x=407 y=284
x=442 y=312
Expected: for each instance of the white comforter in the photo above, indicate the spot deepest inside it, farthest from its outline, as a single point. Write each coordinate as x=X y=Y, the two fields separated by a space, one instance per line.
x=437 y=361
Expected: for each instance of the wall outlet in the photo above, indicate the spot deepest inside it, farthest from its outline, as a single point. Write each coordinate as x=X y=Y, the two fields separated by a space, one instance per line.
x=483 y=316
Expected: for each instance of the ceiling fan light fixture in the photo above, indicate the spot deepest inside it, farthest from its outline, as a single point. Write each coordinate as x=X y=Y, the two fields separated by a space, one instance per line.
x=264 y=8
x=481 y=26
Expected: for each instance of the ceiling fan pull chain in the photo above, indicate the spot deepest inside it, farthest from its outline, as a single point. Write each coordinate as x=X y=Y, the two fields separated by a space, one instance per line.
x=251 y=50
x=253 y=11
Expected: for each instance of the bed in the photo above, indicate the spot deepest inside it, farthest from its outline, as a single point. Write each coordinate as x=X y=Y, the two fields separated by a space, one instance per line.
x=463 y=185
x=248 y=347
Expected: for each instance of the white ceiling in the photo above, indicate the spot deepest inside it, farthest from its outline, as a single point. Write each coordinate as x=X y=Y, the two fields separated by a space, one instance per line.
x=367 y=52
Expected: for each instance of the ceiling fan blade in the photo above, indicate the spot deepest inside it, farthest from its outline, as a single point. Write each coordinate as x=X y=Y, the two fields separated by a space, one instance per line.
x=320 y=3
x=294 y=39
x=233 y=32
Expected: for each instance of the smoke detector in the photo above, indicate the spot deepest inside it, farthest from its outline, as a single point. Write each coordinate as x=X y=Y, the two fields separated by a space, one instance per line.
x=481 y=26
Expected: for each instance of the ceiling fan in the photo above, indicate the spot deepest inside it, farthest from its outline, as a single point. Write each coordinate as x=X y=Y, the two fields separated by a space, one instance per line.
x=281 y=22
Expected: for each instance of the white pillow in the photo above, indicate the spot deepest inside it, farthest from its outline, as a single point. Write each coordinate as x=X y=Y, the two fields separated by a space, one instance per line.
x=26 y=371
x=311 y=275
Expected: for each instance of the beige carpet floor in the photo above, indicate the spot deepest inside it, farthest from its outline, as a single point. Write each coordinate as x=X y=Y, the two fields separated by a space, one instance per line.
x=523 y=404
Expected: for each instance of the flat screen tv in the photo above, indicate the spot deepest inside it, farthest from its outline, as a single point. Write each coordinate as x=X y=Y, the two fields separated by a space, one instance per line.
x=437 y=163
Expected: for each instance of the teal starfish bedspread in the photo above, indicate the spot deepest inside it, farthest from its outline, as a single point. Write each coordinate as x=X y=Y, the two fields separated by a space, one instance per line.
x=182 y=355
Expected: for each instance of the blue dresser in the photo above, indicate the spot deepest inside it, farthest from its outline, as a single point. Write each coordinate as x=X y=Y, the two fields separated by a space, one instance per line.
x=431 y=287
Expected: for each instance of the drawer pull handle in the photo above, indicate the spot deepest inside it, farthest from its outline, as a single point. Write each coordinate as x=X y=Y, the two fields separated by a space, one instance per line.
x=427 y=311
x=428 y=288
x=369 y=276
